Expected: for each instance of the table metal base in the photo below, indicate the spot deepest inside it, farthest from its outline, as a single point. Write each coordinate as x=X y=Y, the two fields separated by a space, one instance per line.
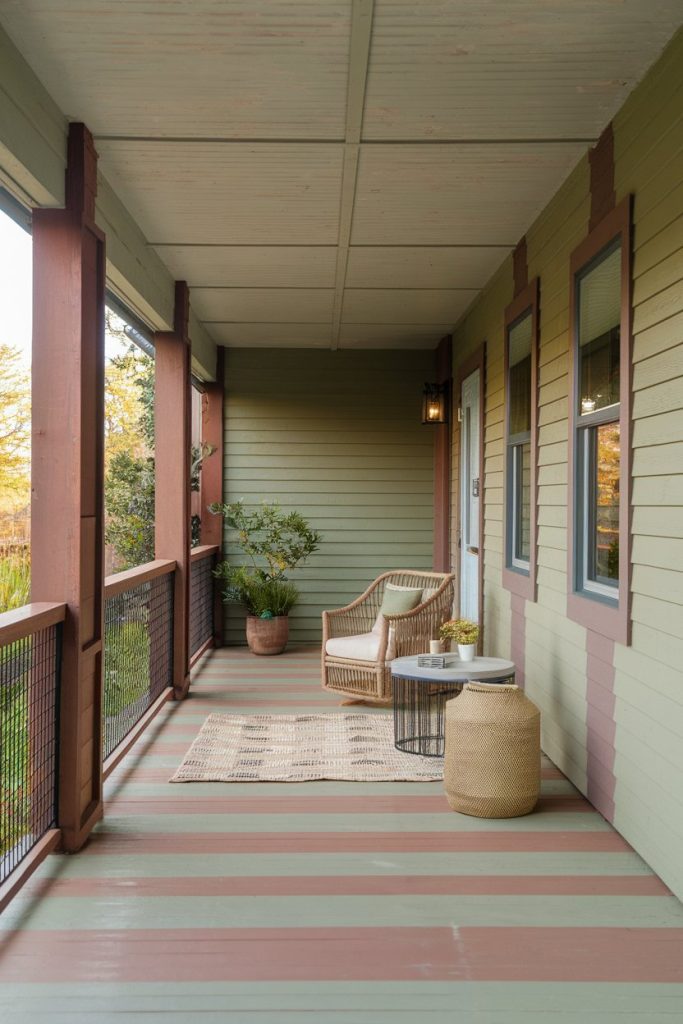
x=419 y=715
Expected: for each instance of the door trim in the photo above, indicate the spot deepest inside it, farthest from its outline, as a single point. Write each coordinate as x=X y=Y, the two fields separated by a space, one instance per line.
x=476 y=361
x=442 y=461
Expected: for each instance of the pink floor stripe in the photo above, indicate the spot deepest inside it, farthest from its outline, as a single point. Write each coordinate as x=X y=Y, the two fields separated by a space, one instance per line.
x=352 y=885
x=205 y=843
x=651 y=955
x=126 y=807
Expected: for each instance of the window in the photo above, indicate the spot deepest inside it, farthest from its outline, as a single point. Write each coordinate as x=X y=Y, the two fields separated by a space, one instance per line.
x=598 y=299
x=521 y=319
x=599 y=435
x=519 y=441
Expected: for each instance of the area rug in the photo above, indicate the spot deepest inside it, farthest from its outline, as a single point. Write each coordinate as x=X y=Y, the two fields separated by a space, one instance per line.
x=301 y=748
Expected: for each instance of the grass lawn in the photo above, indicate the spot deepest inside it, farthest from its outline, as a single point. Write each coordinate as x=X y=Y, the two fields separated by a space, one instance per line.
x=15 y=578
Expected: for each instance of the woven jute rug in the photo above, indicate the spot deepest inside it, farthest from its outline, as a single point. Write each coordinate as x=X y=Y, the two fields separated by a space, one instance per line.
x=299 y=748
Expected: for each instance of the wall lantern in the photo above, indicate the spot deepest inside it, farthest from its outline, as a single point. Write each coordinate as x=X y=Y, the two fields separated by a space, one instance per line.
x=435 y=403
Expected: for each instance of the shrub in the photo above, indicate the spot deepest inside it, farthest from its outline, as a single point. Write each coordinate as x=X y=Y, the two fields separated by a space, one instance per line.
x=260 y=597
x=281 y=540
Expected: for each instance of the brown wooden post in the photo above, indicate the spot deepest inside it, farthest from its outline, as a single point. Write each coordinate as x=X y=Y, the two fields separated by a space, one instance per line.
x=442 y=462
x=211 y=484
x=172 y=425
x=67 y=470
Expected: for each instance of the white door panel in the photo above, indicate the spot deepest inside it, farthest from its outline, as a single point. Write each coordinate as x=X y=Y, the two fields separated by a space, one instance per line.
x=470 y=496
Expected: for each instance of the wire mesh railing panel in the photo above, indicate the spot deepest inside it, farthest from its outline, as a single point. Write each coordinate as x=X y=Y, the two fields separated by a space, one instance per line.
x=29 y=696
x=138 y=654
x=201 y=602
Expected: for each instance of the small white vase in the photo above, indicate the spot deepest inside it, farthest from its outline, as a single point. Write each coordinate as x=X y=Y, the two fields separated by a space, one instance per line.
x=467 y=652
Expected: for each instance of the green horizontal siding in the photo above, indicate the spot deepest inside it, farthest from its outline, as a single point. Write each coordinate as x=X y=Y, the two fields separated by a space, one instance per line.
x=337 y=436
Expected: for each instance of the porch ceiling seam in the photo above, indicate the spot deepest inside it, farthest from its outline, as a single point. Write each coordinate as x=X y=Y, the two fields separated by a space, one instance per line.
x=359 y=59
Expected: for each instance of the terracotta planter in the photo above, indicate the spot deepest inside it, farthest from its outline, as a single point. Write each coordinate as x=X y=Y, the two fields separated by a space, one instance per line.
x=267 y=636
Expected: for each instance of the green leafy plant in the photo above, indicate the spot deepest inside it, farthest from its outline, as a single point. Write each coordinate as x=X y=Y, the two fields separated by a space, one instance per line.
x=129 y=501
x=264 y=598
x=274 y=541
x=129 y=457
x=463 y=631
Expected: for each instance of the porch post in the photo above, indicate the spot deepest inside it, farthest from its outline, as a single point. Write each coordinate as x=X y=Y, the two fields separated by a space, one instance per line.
x=172 y=427
x=442 y=462
x=211 y=482
x=67 y=471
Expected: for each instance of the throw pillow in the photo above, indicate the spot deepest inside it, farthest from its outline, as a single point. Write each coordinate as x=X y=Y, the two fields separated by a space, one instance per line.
x=397 y=601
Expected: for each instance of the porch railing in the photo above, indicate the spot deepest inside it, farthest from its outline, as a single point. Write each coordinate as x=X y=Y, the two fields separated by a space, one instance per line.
x=202 y=598
x=138 y=650
x=138 y=679
x=30 y=657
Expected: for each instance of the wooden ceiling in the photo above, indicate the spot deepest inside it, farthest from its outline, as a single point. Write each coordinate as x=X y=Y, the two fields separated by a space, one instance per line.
x=338 y=174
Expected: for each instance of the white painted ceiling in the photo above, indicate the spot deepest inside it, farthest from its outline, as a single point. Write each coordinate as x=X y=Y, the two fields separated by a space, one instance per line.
x=338 y=174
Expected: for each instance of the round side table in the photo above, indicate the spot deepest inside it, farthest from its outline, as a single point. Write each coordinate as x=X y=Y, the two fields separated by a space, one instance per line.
x=420 y=696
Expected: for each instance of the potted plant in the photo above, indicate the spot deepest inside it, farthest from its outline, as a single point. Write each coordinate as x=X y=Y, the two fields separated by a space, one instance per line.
x=274 y=542
x=464 y=633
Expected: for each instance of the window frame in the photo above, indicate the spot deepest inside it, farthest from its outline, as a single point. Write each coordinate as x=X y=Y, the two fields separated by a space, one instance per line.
x=594 y=605
x=517 y=578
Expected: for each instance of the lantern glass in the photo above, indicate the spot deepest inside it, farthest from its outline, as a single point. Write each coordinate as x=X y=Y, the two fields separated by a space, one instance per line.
x=434 y=403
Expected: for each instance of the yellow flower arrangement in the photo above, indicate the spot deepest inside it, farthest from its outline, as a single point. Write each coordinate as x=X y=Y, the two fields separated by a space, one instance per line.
x=463 y=631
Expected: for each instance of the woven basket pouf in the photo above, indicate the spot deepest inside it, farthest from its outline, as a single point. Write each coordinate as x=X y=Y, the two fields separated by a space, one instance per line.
x=492 y=761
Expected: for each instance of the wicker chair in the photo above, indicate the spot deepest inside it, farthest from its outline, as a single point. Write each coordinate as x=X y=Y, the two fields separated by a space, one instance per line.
x=392 y=636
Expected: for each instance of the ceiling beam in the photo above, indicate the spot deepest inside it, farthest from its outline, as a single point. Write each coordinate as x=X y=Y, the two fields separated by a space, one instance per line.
x=359 y=58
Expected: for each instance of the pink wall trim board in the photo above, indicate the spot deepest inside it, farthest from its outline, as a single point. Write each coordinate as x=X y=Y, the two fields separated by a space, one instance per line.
x=600 y=722
x=518 y=636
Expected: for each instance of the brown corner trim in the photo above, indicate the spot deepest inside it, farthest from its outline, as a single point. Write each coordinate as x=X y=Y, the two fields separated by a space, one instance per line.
x=520 y=266
x=601 y=163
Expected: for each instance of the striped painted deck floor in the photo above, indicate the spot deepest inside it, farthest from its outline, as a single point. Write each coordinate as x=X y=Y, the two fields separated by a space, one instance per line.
x=333 y=902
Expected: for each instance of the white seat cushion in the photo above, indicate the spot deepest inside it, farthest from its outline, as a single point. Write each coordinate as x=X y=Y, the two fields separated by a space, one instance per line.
x=362 y=647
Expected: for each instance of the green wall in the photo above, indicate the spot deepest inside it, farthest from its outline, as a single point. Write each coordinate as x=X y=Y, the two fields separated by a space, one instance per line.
x=631 y=731
x=336 y=435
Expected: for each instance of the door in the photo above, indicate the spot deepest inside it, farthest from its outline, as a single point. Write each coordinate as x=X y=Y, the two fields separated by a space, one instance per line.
x=470 y=491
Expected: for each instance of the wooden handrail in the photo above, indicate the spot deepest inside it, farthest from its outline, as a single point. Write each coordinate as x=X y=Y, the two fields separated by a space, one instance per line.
x=204 y=551
x=30 y=618
x=131 y=578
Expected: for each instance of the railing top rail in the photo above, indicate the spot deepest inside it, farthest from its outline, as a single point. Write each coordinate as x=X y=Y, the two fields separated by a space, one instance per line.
x=29 y=619
x=131 y=578
x=204 y=551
